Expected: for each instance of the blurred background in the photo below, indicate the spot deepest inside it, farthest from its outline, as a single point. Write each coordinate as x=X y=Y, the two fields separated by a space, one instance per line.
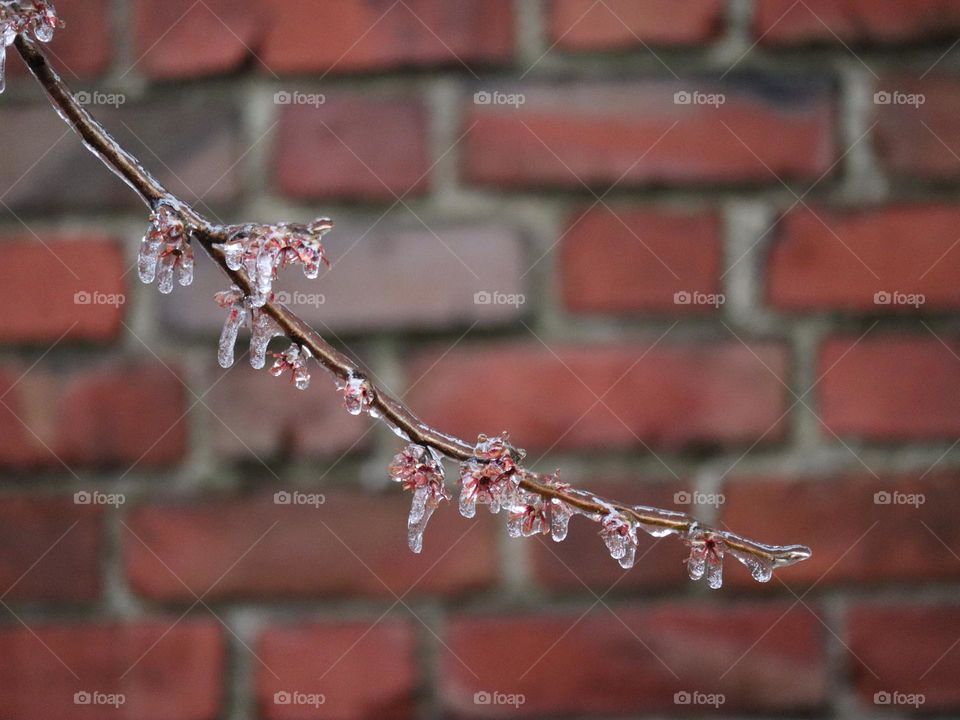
x=699 y=254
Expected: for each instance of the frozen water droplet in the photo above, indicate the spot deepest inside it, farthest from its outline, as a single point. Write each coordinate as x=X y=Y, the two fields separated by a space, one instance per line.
x=263 y=330
x=468 y=504
x=185 y=265
x=165 y=274
x=421 y=472
x=357 y=395
x=228 y=337
x=560 y=514
x=620 y=536
x=3 y=67
x=147 y=262
x=760 y=569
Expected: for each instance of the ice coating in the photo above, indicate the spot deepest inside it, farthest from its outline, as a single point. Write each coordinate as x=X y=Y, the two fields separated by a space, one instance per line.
x=294 y=359
x=40 y=17
x=357 y=395
x=620 y=536
x=165 y=250
x=490 y=477
x=420 y=471
x=706 y=556
x=262 y=250
x=528 y=515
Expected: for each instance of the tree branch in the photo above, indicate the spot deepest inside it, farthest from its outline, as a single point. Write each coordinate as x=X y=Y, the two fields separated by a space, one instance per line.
x=210 y=236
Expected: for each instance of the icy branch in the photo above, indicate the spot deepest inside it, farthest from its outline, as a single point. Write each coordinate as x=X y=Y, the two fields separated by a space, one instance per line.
x=491 y=472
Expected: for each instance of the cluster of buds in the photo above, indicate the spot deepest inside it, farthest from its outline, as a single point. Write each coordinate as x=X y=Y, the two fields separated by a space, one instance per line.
x=294 y=359
x=491 y=476
x=39 y=17
x=420 y=471
x=165 y=249
x=261 y=250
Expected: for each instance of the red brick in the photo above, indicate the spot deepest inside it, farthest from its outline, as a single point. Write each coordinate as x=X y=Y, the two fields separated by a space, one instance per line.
x=785 y=22
x=919 y=140
x=763 y=658
x=829 y=260
x=83 y=48
x=890 y=388
x=565 y=135
x=868 y=542
x=191 y=141
x=670 y=396
x=912 y=650
x=395 y=278
x=112 y=415
x=168 y=668
x=363 y=669
x=363 y=36
x=617 y=24
x=183 y=38
x=254 y=416
x=636 y=260
x=581 y=560
x=49 y=550
x=353 y=147
x=301 y=555
x=42 y=278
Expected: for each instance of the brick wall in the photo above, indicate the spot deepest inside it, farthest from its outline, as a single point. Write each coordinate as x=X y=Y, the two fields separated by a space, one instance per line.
x=721 y=243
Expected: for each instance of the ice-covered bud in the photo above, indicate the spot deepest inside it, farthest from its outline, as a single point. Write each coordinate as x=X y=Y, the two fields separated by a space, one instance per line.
x=620 y=536
x=491 y=476
x=165 y=250
x=262 y=250
x=44 y=20
x=357 y=395
x=294 y=359
x=420 y=470
x=528 y=516
x=706 y=556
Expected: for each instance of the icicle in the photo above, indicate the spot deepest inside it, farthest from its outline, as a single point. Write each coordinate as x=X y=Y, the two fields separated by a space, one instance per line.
x=760 y=569
x=357 y=395
x=165 y=250
x=232 y=301
x=186 y=265
x=560 y=514
x=149 y=255
x=264 y=329
x=3 y=66
x=421 y=472
x=295 y=360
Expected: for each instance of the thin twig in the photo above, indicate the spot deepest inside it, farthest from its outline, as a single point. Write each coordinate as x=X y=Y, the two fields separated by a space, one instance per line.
x=210 y=236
